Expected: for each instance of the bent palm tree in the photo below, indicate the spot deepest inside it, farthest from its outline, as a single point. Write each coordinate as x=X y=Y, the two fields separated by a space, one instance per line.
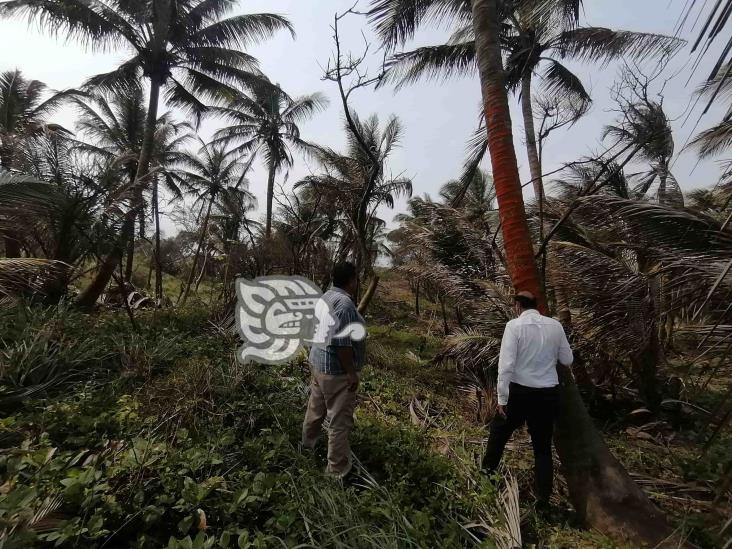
x=597 y=482
x=211 y=175
x=346 y=184
x=184 y=48
x=646 y=127
x=113 y=126
x=268 y=121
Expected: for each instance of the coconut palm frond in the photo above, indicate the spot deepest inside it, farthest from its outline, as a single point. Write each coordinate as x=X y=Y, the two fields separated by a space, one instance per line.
x=396 y=21
x=477 y=148
x=720 y=85
x=431 y=62
x=612 y=300
x=660 y=228
x=560 y=81
x=508 y=535
x=597 y=44
x=22 y=194
x=28 y=276
x=714 y=140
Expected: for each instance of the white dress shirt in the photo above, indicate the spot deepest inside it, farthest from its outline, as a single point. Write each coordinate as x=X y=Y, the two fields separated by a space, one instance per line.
x=531 y=346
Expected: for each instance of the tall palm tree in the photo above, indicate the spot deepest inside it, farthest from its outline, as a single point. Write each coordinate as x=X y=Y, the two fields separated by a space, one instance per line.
x=232 y=221
x=184 y=48
x=346 y=183
x=516 y=235
x=211 y=175
x=595 y=479
x=535 y=41
x=267 y=121
x=23 y=111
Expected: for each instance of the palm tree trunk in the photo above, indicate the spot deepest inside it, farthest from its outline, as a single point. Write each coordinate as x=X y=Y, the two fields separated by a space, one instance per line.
x=532 y=150
x=270 y=198
x=601 y=490
x=158 y=268
x=416 y=299
x=89 y=297
x=516 y=236
x=368 y=294
x=130 y=255
x=206 y=253
x=192 y=273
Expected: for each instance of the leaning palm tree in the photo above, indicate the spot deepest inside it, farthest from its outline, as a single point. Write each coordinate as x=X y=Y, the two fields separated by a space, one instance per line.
x=112 y=126
x=597 y=482
x=267 y=121
x=346 y=178
x=211 y=175
x=184 y=48
x=646 y=128
x=535 y=40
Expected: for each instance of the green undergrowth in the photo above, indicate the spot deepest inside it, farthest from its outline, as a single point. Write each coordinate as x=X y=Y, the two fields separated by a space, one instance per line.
x=111 y=438
x=162 y=439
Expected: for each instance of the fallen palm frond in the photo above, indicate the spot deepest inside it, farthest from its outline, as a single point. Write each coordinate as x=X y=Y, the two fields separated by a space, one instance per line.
x=25 y=277
x=507 y=535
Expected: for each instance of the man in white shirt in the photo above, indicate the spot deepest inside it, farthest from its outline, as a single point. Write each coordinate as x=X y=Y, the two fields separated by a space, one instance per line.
x=527 y=388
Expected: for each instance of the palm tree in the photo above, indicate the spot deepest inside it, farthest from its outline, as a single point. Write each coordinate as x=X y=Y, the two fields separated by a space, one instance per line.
x=231 y=222
x=646 y=127
x=346 y=183
x=23 y=110
x=182 y=47
x=533 y=37
x=268 y=121
x=478 y=198
x=113 y=126
x=590 y=467
x=516 y=235
x=211 y=175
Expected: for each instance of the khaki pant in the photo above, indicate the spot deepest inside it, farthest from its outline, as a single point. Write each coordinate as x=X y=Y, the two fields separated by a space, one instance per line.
x=329 y=396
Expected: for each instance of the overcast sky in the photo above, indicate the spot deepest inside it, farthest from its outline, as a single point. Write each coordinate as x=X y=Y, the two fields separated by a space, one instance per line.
x=437 y=117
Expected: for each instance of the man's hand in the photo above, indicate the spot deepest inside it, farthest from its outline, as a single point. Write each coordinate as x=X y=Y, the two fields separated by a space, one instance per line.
x=352 y=382
x=501 y=411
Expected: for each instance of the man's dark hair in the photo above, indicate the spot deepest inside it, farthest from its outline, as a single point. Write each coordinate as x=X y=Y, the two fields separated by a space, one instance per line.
x=525 y=302
x=343 y=273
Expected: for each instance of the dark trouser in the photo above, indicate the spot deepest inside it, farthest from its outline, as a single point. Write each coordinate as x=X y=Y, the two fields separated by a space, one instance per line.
x=538 y=408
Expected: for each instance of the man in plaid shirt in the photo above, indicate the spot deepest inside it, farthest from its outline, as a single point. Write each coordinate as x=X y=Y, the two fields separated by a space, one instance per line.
x=336 y=361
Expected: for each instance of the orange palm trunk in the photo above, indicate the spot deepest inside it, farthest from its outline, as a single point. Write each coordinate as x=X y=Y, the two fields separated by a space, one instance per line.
x=516 y=236
x=603 y=494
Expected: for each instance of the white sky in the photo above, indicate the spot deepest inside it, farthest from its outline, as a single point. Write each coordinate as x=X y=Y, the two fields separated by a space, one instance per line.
x=437 y=117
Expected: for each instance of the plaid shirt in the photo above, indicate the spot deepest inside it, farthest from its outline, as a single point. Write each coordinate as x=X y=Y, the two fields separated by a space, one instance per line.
x=324 y=357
